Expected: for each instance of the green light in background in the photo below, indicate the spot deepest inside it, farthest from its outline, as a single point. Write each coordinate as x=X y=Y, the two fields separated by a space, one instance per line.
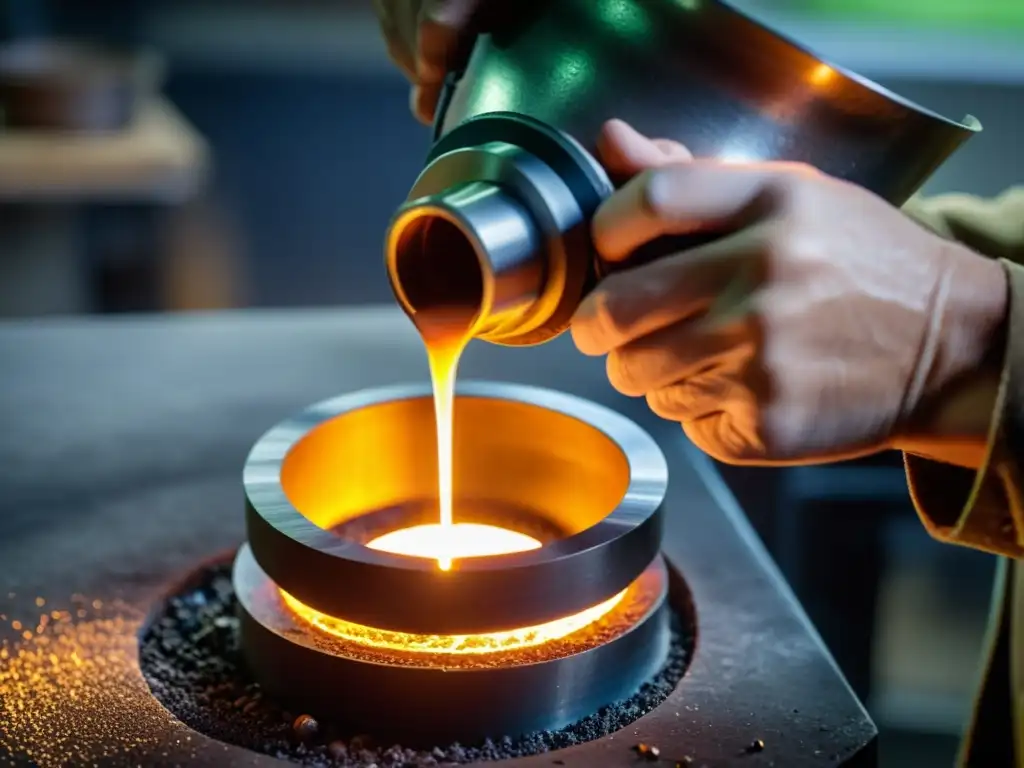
x=991 y=14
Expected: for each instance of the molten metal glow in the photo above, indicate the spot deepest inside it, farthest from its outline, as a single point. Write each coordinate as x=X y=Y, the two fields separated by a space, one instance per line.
x=456 y=540
x=492 y=642
x=444 y=362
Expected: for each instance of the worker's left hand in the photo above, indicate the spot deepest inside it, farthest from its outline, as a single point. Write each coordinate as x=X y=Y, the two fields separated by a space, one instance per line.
x=426 y=39
x=819 y=326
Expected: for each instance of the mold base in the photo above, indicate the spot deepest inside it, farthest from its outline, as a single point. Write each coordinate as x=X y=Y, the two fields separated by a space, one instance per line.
x=191 y=658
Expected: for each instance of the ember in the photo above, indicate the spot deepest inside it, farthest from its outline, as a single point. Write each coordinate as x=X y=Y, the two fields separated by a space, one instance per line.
x=56 y=686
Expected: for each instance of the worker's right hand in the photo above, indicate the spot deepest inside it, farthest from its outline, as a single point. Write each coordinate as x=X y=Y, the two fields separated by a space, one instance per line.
x=426 y=39
x=821 y=324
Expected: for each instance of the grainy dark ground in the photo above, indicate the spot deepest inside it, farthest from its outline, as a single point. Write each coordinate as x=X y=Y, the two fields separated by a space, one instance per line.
x=191 y=660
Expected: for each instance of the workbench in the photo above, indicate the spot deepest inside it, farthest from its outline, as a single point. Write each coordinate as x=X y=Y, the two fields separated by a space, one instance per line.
x=120 y=467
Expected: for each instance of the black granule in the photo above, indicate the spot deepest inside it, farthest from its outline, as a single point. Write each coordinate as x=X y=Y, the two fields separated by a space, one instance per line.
x=757 y=745
x=191 y=659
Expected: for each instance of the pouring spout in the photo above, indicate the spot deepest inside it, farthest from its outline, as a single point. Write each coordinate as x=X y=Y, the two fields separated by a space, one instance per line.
x=471 y=250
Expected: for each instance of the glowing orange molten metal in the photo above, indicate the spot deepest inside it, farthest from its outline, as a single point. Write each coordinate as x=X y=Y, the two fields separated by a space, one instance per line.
x=460 y=540
x=456 y=540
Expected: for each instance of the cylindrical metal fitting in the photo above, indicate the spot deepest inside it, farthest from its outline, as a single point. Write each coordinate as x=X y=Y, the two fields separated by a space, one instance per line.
x=584 y=480
x=498 y=229
x=472 y=248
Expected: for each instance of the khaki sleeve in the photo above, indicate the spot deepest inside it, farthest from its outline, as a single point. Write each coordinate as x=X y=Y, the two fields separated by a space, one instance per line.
x=992 y=227
x=983 y=509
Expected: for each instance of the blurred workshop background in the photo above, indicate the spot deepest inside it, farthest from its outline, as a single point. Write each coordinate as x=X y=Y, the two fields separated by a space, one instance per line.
x=248 y=153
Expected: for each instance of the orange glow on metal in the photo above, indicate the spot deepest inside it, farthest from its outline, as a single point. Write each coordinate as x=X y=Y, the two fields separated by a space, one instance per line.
x=491 y=642
x=822 y=74
x=458 y=540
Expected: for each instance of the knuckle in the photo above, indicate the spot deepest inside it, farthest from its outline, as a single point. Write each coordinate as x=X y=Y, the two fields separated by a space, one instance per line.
x=706 y=435
x=790 y=242
x=593 y=330
x=664 y=403
x=609 y=319
x=673 y=403
x=452 y=14
x=799 y=171
x=625 y=372
x=788 y=187
x=658 y=190
x=727 y=438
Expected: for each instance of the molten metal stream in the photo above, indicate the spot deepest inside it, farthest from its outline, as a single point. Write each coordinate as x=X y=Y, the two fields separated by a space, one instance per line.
x=443 y=353
x=441 y=276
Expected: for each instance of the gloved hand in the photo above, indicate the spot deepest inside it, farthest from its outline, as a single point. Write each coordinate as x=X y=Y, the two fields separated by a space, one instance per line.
x=426 y=38
x=822 y=325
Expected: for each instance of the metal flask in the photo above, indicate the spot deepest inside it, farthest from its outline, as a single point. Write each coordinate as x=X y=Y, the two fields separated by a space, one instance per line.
x=498 y=218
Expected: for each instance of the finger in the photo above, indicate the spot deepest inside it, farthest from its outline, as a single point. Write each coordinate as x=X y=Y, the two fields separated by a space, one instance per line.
x=443 y=27
x=629 y=305
x=399 y=34
x=675 y=151
x=625 y=152
x=697 y=397
x=718 y=414
x=729 y=434
x=678 y=353
x=423 y=100
x=684 y=198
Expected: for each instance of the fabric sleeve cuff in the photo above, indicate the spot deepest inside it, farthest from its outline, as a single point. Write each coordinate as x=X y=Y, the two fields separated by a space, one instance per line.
x=983 y=508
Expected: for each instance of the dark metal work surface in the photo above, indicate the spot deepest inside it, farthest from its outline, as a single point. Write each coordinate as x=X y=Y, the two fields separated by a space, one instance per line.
x=120 y=460
x=567 y=575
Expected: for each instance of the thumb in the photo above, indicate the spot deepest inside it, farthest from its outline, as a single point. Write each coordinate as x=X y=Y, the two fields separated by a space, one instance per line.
x=444 y=33
x=625 y=152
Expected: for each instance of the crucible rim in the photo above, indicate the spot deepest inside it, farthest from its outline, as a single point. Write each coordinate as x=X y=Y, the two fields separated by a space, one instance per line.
x=311 y=562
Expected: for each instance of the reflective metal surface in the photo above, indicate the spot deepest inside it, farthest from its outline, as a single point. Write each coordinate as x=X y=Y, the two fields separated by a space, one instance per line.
x=590 y=473
x=703 y=73
x=698 y=71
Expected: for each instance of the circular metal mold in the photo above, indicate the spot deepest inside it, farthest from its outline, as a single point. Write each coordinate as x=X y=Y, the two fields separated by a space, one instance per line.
x=423 y=698
x=590 y=472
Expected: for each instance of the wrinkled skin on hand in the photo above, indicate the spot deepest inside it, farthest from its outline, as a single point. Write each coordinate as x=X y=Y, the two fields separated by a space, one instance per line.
x=817 y=327
x=426 y=39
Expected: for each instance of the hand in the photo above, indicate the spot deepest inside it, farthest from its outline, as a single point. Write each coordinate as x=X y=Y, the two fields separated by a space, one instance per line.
x=824 y=324
x=426 y=38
